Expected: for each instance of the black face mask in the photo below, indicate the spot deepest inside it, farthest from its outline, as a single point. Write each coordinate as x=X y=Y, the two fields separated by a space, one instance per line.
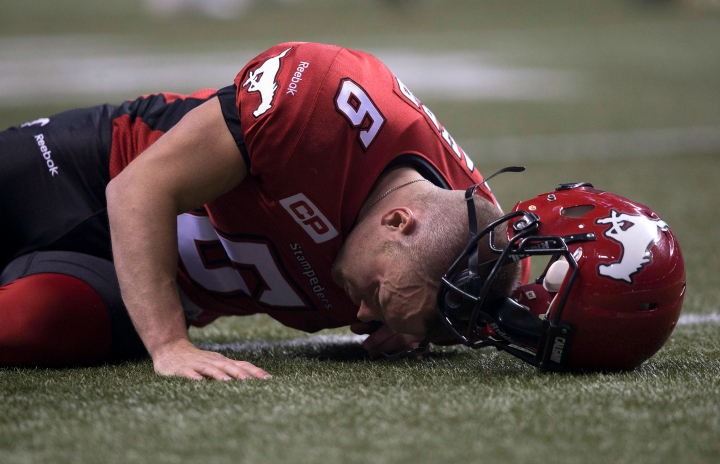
x=466 y=310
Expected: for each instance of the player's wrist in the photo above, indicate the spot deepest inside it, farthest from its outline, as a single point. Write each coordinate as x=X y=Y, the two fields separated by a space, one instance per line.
x=170 y=347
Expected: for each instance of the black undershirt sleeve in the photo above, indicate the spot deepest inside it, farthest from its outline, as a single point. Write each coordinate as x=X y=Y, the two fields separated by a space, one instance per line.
x=226 y=95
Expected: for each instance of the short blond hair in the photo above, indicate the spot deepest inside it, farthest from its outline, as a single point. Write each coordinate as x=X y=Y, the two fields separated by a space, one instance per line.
x=444 y=234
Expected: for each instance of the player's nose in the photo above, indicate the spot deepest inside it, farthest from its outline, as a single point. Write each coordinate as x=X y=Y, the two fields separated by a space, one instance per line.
x=367 y=313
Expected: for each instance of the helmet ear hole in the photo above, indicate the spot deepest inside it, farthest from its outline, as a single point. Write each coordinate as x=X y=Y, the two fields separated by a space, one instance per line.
x=576 y=212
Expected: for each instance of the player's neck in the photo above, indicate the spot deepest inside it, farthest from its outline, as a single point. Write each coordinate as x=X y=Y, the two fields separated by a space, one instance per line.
x=388 y=182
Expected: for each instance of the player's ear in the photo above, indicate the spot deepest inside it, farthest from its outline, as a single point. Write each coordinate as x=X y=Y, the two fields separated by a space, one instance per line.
x=400 y=219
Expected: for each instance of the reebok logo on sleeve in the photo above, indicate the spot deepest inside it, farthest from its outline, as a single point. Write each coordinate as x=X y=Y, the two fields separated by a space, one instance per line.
x=46 y=153
x=297 y=77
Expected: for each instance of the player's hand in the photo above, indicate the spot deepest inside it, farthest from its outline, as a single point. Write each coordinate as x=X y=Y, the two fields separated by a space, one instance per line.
x=184 y=359
x=385 y=342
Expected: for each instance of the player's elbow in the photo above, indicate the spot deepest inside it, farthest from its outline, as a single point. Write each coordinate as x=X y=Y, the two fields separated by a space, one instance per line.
x=131 y=182
x=114 y=192
x=134 y=194
x=121 y=193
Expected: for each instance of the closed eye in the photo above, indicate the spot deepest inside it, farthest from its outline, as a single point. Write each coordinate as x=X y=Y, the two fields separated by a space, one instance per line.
x=376 y=297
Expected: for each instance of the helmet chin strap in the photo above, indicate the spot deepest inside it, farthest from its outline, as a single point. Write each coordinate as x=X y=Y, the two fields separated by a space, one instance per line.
x=473 y=266
x=473 y=281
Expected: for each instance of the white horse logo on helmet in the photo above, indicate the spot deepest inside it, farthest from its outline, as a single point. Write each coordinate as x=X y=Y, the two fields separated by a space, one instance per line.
x=262 y=80
x=635 y=233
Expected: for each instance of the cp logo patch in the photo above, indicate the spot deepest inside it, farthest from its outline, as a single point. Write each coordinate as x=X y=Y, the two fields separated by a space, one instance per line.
x=309 y=217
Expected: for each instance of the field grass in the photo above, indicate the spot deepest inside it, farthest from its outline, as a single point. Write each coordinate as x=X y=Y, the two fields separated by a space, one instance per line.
x=327 y=403
x=637 y=68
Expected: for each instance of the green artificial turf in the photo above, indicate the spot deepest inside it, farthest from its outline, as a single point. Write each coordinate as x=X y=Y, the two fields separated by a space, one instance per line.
x=328 y=403
x=638 y=68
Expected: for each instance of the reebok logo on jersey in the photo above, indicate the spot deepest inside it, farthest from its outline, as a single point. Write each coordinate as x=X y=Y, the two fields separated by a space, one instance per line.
x=297 y=77
x=40 y=139
x=309 y=217
x=41 y=121
x=262 y=80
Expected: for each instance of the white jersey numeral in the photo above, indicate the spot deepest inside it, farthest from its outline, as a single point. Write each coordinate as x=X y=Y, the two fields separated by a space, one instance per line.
x=197 y=238
x=445 y=134
x=358 y=108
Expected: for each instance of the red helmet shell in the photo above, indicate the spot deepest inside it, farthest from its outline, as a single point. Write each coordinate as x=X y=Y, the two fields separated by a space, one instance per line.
x=628 y=295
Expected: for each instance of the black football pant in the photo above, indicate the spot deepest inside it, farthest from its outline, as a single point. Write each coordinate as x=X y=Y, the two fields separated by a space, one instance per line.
x=53 y=220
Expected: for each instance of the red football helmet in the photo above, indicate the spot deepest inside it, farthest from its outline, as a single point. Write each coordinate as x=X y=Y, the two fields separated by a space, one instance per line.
x=608 y=299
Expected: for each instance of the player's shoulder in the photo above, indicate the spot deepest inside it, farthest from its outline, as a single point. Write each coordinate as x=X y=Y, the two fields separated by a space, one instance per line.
x=310 y=49
x=300 y=47
x=324 y=100
x=294 y=58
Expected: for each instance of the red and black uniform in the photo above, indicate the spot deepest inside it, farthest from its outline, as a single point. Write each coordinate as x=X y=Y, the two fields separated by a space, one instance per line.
x=317 y=125
x=60 y=301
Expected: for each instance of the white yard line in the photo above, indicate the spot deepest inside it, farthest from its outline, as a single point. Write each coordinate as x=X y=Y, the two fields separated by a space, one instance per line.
x=314 y=341
x=318 y=341
x=468 y=76
x=67 y=69
x=688 y=319
x=77 y=70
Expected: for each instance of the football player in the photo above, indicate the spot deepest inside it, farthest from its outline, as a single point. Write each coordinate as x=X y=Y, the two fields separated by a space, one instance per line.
x=316 y=189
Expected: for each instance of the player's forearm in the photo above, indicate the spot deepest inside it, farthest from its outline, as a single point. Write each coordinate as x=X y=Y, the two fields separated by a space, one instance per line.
x=144 y=238
x=193 y=163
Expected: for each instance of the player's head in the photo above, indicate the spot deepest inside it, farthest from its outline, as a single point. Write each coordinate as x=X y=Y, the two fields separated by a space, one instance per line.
x=392 y=262
x=608 y=299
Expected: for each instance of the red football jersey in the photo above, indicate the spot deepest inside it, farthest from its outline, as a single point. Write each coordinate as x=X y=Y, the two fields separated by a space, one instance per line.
x=321 y=123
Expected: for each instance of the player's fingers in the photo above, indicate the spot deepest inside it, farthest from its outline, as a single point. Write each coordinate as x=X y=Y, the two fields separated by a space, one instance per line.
x=255 y=371
x=171 y=370
x=231 y=367
x=394 y=344
x=245 y=370
x=212 y=372
x=362 y=328
x=242 y=370
x=236 y=372
x=377 y=339
x=423 y=354
x=187 y=373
